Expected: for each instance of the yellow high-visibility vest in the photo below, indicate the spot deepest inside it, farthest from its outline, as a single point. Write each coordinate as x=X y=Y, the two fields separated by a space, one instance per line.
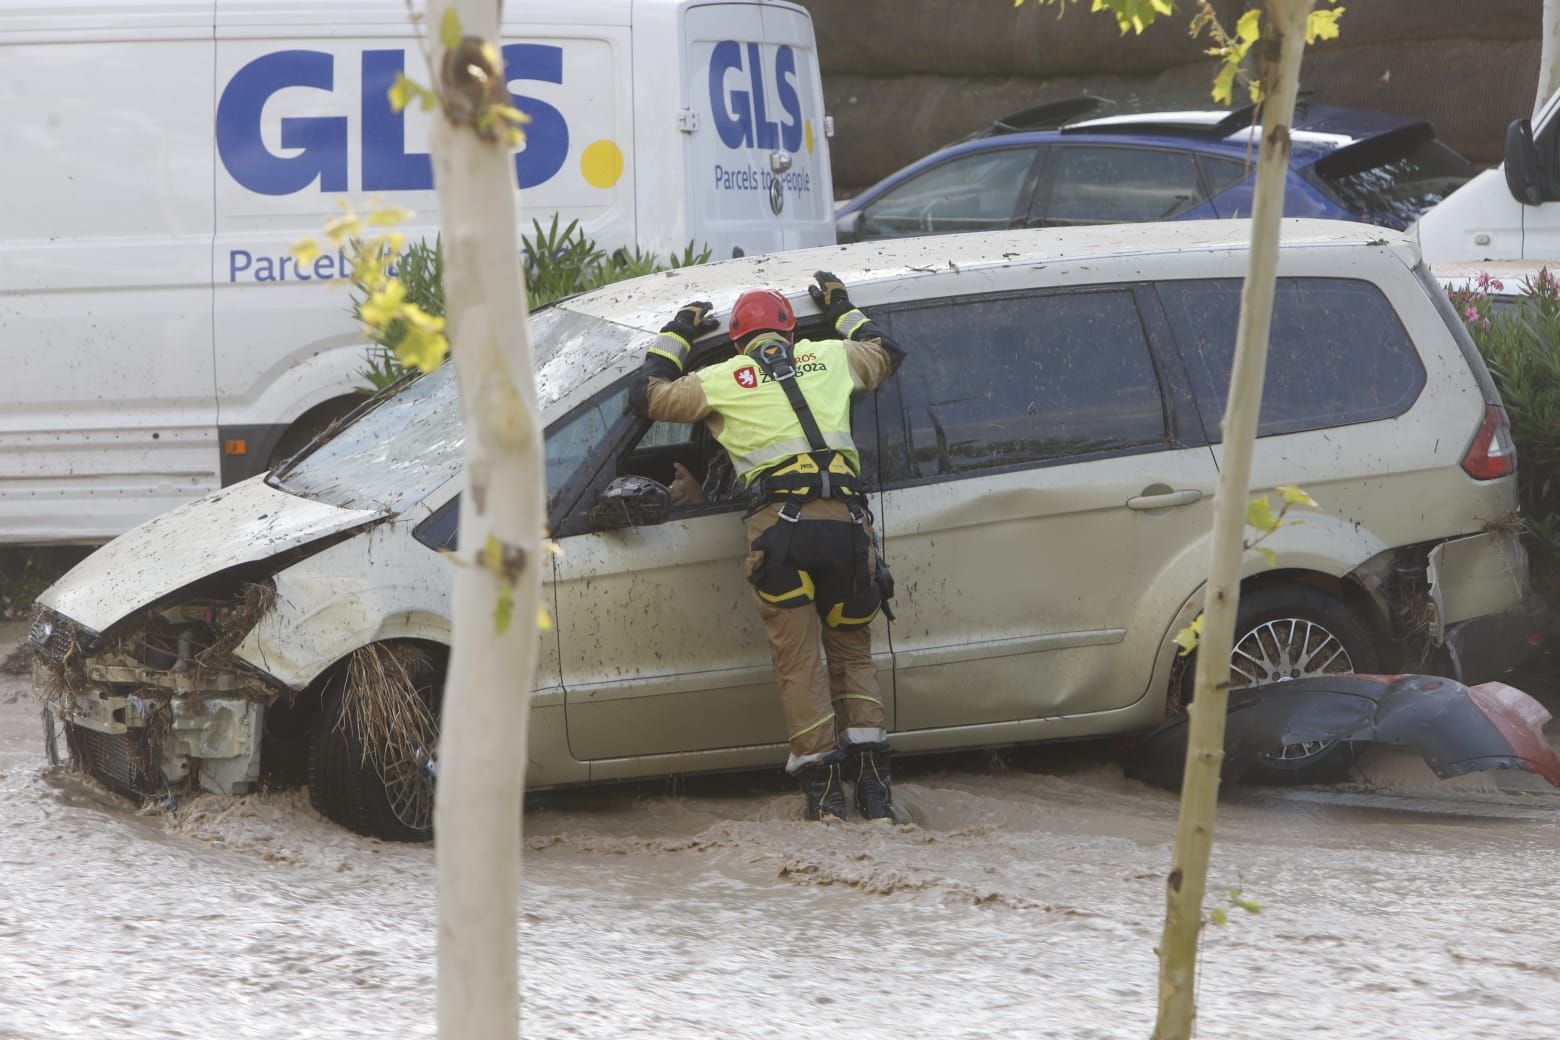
x=761 y=429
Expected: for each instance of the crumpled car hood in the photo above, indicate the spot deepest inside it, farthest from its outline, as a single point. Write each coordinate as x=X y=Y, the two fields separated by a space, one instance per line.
x=247 y=522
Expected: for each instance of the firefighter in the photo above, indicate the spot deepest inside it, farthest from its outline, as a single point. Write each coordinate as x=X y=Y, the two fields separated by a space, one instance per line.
x=781 y=409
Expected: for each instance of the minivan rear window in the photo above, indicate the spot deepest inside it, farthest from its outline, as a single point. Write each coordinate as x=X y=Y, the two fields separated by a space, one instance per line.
x=1338 y=353
x=1019 y=380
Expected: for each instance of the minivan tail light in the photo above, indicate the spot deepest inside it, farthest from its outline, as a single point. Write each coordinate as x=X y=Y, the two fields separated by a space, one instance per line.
x=1492 y=453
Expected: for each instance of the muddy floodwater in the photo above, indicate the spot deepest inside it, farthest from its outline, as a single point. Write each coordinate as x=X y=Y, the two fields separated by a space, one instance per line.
x=1025 y=902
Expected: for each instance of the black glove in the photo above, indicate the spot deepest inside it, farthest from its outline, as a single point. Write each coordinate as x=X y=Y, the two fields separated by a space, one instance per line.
x=829 y=294
x=692 y=321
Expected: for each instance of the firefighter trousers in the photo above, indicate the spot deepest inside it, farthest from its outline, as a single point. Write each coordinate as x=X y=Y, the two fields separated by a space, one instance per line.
x=816 y=591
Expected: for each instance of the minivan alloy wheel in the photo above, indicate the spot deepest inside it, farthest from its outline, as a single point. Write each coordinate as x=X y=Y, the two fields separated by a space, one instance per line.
x=1282 y=650
x=1292 y=631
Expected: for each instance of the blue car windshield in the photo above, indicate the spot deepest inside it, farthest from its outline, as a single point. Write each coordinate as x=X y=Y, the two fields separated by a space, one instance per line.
x=408 y=444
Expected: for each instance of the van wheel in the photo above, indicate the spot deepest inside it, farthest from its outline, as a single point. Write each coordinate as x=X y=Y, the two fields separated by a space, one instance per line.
x=388 y=795
x=1288 y=633
x=310 y=425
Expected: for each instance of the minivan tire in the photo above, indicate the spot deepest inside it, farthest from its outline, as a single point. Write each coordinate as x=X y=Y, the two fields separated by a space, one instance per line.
x=348 y=790
x=1278 y=611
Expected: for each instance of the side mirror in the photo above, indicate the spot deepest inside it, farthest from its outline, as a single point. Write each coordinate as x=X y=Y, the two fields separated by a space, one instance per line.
x=1524 y=175
x=631 y=502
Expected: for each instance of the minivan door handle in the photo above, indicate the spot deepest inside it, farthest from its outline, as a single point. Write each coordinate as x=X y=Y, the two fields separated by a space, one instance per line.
x=1164 y=500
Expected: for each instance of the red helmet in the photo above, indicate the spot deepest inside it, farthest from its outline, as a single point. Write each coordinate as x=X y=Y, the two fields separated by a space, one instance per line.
x=760 y=310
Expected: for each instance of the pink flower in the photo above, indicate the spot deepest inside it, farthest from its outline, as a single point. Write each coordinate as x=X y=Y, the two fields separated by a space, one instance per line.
x=1471 y=314
x=1497 y=284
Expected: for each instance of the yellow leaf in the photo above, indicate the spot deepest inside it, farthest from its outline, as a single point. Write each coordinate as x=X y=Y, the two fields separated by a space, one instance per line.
x=1322 y=25
x=1224 y=82
x=421 y=349
x=543 y=619
x=1259 y=515
x=1188 y=638
x=449 y=29
x=416 y=317
x=1219 y=917
x=503 y=609
x=490 y=54
x=1249 y=28
x=384 y=306
x=1295 y=496
x=401 y=92
x=341 y=228
x=1267 y=554
x=305 y=251
x=389 y=216
x=513 y=116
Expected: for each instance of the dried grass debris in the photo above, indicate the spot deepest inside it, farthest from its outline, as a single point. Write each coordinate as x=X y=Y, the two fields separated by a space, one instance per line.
x=388 y=705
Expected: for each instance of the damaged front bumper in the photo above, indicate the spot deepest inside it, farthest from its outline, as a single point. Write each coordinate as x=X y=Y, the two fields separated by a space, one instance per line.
x=146 y=731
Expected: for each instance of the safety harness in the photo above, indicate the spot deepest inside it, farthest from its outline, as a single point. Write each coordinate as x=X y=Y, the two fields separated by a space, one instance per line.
x=821 y=473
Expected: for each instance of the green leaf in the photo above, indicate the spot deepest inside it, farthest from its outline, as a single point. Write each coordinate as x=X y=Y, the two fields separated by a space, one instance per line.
x=1267 y=554
x=504 y=609
x=1219 y=917
x=1251 y=906
x=449 y=29
x=1259 y=515
x=1295 y=496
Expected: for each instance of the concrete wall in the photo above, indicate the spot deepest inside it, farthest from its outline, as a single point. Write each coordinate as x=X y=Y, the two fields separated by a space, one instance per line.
x=904 y=77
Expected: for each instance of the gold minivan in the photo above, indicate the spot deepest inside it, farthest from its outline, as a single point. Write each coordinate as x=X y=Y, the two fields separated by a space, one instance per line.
x=1042 y=468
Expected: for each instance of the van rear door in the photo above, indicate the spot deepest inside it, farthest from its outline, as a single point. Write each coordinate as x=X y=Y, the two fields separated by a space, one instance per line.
x=758 y=176
x=107 y=405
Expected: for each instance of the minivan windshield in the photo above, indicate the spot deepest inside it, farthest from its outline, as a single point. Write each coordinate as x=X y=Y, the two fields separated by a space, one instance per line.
x=409 y=444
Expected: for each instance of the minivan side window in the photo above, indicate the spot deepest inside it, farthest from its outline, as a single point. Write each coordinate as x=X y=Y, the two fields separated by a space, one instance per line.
x=997 y=383
x=1337 y=355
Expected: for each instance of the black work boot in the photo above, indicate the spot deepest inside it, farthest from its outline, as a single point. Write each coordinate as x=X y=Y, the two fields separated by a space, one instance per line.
x=874 y=785
x=824 y=785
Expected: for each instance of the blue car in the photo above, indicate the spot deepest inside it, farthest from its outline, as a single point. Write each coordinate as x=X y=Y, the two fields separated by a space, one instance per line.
x=1045 y=167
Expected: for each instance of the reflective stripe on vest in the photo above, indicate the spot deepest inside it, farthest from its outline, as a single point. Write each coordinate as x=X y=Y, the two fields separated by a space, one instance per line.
x=760 y=428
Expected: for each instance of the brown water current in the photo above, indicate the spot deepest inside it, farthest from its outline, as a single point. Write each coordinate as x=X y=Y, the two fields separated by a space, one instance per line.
x=1025 y=902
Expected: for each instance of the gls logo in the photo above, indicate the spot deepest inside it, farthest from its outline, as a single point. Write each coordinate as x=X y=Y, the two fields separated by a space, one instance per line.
x=387 y=165
x=740 y=115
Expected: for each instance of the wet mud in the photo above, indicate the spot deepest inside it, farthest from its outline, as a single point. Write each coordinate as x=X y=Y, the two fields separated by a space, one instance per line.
x=1025 y=900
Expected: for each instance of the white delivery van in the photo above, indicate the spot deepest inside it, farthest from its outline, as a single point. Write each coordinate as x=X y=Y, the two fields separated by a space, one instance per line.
x=160 y=341
x=1510 y=213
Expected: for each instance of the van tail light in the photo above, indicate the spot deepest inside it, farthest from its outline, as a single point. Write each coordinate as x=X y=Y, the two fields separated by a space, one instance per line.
x=1493 y=453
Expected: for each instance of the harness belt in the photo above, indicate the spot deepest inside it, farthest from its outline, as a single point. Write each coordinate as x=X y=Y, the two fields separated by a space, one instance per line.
x=821 y=473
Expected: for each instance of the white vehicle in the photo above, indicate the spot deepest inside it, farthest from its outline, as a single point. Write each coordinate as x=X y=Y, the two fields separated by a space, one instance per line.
x=1510 y=213
x=161 y=341
x=1043 y=467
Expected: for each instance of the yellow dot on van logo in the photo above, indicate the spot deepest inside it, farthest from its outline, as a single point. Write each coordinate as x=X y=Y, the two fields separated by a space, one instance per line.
x=602 y=164
x=807 y=135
